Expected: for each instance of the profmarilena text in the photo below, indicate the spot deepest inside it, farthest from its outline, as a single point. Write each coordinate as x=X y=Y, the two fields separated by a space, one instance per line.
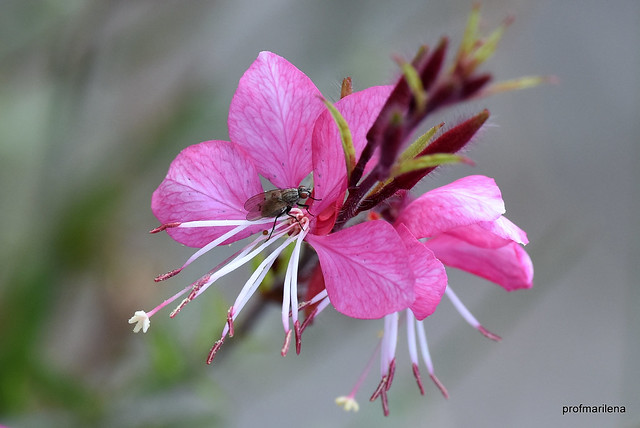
x=586 y=408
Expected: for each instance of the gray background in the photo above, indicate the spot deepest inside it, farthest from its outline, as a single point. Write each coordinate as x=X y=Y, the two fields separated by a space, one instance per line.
x=98 y=97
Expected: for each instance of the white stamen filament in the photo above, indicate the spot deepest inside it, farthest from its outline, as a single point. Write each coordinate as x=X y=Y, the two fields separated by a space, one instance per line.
x=255 y=280
x=240 y=260
x=213 y=223
x=211 y=245
x=389 y=340
x=411 y=336
x=323 y=304
x=461 y=308
x=293 y=279
x=252 y=254
x=424 y=347
x=321 y=295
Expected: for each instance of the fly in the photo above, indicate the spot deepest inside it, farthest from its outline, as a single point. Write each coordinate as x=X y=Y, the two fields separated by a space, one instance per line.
x=276 y=202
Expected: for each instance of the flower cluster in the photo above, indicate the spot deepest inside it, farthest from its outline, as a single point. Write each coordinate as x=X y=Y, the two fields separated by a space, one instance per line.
x=386 y=264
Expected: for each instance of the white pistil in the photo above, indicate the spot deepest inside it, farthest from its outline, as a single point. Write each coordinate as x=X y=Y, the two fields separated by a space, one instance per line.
x=348 y=403
x=350 y=399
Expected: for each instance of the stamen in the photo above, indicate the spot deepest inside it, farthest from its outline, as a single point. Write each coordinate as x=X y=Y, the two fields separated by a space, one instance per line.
x=381 y=391
x=290 y=290
x=389 y=341
x=385 y=403
x=214 y=350
x=416 y=374
x=387 y=360
x=391 y=374
x=411 y=336
x=424 y=349
x=486 y=333
x=251 y=286
x=287 y=342
x=230 y=321
x=413 y=351
x=167 y=275
x=240 y=259
x=469 y=318
x=165 y=226
x=258 y=275
x=439 y=384
x=211 y=245
x=213 y=223
x=298 y=333
x=316 y=311
x=321 y=295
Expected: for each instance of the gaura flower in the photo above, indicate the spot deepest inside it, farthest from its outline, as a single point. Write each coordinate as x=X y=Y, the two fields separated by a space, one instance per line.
x=466 y=229
x=367 y=268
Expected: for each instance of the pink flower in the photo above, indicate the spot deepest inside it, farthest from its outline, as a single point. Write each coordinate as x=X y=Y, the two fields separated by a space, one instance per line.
x=465 y=228
x=280 y=129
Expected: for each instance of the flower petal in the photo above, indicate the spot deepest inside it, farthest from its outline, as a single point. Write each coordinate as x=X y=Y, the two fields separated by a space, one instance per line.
x=360 y=110
x=366 y=270
x=465 y=201
x=431 y=277
x=491 y=234
x=206 y=181
x=272 y=115
x=508 y=266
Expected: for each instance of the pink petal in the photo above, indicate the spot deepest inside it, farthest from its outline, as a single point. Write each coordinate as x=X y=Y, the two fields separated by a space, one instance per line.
x=505 y=228
x=206 y=181
x=431 y=277
x=465 y=201
x=491 y=234
x=360 y=110
x=366 y=270
x=272 y=115
x=508 y=266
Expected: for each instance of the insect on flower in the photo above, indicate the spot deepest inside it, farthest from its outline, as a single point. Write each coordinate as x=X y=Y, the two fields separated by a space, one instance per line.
x=276 y=202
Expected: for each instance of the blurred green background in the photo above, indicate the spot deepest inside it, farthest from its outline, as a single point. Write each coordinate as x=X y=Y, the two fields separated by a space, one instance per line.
x=96 y=99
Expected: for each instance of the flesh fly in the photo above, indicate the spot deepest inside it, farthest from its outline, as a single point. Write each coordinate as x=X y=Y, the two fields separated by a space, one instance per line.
x=275 y=203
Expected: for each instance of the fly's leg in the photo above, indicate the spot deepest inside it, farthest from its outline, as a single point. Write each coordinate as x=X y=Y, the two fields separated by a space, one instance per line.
x=294 y=217
x=306 y=207
x=274 y=224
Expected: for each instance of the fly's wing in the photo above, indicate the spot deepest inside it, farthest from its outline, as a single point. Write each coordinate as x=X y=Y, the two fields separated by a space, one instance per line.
x=254 y=206
x=267 y=204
